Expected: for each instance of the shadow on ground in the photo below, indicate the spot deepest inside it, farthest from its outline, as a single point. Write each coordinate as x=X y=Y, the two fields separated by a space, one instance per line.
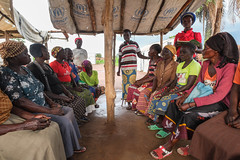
x=127 y=139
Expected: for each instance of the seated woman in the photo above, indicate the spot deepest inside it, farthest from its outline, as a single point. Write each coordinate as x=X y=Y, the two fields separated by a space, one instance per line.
x=187 y=72
x=52 y=86
x=165 y=72
x=76 y=77
x=18 y=136
x=90 y=78
x=26 y=92
x=144 y=84
x=218 y=72
x=69 y=60
x=63 y=71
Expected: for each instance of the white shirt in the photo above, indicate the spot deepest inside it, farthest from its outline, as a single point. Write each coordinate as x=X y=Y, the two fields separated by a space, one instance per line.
x=79 y=56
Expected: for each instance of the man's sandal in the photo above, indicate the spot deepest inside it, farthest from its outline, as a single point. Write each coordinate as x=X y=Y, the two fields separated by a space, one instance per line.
x=160 y=153
x=154 y=127
x=183 y=151
x=162 y=134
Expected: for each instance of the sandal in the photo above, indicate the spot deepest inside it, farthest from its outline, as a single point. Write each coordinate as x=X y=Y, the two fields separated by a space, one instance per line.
x=183 y=151
x=154 y=127
x=138 y=113
x=158 y=153
x=162 y=134
x=129 y=108
x=82 y=149
x=150 y=122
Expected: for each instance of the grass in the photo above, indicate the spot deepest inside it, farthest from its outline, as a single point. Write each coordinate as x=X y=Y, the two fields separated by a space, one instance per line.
x=102 y=61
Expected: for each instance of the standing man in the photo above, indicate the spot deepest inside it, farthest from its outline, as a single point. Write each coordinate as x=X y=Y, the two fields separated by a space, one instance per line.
x=128 y=62
x=79 y=54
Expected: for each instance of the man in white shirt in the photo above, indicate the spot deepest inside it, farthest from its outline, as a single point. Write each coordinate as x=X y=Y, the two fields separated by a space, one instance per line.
x=79 y=53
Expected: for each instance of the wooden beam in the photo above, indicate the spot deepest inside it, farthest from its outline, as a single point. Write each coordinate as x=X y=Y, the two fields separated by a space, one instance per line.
x=144 y=9
x=155 y=19
x=108 y=38
x=178 y=14
x=5 y=16
x=123 y=2
x=71 y=13
x=92 y=14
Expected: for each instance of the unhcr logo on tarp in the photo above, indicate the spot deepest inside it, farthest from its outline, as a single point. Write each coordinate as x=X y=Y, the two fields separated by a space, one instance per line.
x=80 y=10
x=58 y=15
x=167 y=14
x=138 y=13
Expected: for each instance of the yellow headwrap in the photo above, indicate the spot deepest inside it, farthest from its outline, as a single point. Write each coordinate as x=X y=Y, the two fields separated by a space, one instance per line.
x=172 y=49
x=56 y=50
x=11 y=49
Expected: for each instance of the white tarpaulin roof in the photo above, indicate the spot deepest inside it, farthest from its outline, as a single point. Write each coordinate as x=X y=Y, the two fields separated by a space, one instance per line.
x=140 y=16
x=16 y=26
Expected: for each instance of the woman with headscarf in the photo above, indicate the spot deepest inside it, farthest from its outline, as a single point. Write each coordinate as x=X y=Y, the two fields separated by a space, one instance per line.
x=52 y=86
x=63 y=71
x=163 y=75
x=187 y=35
x=90 y=78
x=26 y=92
x=186 y=75
x=144 y=84
x=218 y=72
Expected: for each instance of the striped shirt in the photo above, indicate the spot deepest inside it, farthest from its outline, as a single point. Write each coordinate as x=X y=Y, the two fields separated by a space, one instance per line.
x=128 y=51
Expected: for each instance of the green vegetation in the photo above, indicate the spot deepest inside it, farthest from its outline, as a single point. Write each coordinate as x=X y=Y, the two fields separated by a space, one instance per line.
x=101 y=61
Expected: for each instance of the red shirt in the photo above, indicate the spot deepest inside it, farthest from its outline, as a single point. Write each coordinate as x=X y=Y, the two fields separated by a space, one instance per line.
x=189 y=35
x=63 y=71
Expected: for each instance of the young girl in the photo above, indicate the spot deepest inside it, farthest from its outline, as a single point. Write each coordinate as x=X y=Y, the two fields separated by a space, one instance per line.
x=144 y=84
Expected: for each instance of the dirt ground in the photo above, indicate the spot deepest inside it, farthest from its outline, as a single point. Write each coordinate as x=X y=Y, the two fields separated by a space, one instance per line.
x=127 y=139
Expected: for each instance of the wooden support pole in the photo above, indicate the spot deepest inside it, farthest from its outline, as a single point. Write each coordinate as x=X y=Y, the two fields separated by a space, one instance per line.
x=114 y=57
x=161 y=39
x=108 y=38
x=6 y=36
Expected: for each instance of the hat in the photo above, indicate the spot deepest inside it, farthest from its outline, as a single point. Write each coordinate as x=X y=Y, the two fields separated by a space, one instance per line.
x=56 y=50
x=172 y=49
x=77 y=39
x=36 y=49
x=191 y=14
x=11 y=49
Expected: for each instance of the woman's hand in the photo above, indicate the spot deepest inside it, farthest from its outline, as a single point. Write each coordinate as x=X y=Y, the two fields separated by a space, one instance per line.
x=231 y=116
x=57 y=111
x=42 y=116
x=78 y=89
x=70 y=95
x=184 y=107
x=236 y=123
x=55 y=105
x=36 y=124
x=180 y=100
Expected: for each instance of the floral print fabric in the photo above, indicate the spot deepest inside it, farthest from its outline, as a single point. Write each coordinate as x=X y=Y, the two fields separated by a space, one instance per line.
x=17 y=86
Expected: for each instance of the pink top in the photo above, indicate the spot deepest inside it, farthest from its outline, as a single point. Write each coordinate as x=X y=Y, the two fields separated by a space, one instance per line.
x=224 y=83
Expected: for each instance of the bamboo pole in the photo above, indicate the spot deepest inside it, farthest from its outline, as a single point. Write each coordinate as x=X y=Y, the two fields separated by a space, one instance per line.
x=108 y=38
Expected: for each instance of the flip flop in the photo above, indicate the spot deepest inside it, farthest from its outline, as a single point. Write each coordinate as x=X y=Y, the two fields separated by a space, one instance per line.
x=82 y=149
x=183 y=151
x=154 y=127
x=159 y=151
x=162 y=134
